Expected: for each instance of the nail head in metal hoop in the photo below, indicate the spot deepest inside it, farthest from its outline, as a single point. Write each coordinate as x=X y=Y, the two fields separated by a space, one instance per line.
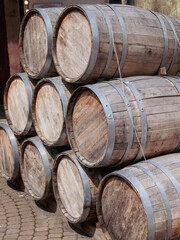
x=143 y=118
x=131 y=125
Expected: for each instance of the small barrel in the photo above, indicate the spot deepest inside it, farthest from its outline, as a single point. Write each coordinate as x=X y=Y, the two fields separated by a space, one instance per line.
x=142 y=201
x=122 y=121
x=9 y=153
x=18 y=103
x=35 y=42
x=49 y=109
x=36 y=163
x=108 y=41
x=75 y=188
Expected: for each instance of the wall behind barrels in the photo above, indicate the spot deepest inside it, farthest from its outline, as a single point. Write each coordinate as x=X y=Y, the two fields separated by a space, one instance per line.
x=170 y=7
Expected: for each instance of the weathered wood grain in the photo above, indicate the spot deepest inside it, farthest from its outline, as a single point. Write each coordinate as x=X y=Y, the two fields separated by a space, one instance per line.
x=35 y=42
x=101 y=125
x=87 y=38
x=75 y=188
x=9 y=153
x=131 y=201
x=49 y=108
x=36 y=163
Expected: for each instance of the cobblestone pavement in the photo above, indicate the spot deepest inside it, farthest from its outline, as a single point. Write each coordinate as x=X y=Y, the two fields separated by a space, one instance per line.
x=22 y=219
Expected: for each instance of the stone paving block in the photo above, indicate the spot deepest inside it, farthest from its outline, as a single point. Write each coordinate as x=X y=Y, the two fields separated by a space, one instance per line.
x=22 y=219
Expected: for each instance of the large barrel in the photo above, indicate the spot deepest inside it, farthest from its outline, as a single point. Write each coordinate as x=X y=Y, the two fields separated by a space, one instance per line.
x=9 y=153
x=36 y=163
x=122 y=121
x=35 y=42
x=75 y=188
x=18 y=102
x=99 y=41
x=49 y=109
x=142 y=201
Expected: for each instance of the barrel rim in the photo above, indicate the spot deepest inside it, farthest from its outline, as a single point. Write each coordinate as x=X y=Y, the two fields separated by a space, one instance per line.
x=64 y=102
x=145 y=203
x=37 y=143
x=16 y=153
x=86 y=186
x=94 y=47
x=105 y=159
x=41 y=12
x=29 y=124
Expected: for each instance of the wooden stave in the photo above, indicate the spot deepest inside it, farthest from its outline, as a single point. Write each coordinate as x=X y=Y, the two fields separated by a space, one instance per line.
x=85 y=78
x=64 y=100
x=29 y=129
x=49 y=64
x=48 y=192
x=88 y=213
x=106 y=159
x=16 y=152
x=141 y=192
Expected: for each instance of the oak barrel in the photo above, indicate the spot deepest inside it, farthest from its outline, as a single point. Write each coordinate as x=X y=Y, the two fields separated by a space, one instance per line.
x=18 y=102
x=35 y=42
x=49 y=107
x=142 y=201
x=123 y=121
x=88 y=37
x=9 y=153
x=75 y=188
x=36 y=163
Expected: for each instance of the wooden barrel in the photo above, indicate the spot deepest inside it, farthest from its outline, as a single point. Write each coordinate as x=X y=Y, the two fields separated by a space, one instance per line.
x=9 y=153
x=36 y=163
x=122 y=121
x=49 y=109
x=87 y=38
x=18 y=102
x=75 y=188
x=142 y=201
x=35 y=42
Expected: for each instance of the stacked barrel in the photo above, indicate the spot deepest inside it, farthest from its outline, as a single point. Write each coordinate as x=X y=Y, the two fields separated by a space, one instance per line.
x=128 y=114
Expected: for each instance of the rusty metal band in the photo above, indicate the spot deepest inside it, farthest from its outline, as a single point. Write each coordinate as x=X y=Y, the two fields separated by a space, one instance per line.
x=125 y=40
x=168 y=174
x=144 y=199
x=175 y=43
x=164 y=197
x=15 y=151
x=131 y=125
x=111 y=40
x=143 y=118
x=166 y=42
x=95 y=41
